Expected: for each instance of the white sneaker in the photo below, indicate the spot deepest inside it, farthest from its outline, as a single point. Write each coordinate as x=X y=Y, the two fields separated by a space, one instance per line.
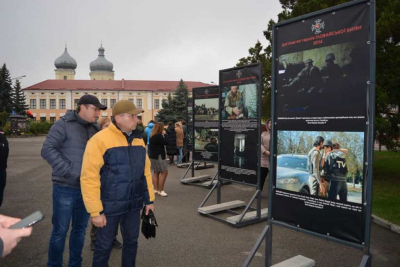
x=155 y=192
x=163 y=194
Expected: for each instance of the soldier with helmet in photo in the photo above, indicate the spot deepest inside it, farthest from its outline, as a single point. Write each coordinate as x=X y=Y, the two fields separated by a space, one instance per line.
x=331 y=73
x=308 y=79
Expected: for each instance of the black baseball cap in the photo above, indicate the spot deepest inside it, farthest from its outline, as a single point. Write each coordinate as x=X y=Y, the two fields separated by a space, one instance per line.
x=91 y=100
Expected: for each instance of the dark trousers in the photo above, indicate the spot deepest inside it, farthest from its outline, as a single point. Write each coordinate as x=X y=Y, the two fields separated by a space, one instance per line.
x=338 y=188
x=67 y=205
x=263 y=176
x=93 y=233
x=130 y=224
x=3 y=178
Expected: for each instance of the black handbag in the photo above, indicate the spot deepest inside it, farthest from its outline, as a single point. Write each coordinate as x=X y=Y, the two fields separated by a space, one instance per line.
x=149 y=224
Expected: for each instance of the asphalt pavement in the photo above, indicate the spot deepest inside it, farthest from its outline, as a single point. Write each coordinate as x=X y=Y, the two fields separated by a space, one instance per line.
x=184 y=237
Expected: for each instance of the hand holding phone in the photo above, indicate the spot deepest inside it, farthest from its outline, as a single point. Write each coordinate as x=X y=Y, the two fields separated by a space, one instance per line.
x=28 y=221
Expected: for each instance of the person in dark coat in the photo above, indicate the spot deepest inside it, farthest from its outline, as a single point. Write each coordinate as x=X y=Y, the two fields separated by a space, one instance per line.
x=4 y=150
x=63 y=149
x=172 y=150
x=157 y=144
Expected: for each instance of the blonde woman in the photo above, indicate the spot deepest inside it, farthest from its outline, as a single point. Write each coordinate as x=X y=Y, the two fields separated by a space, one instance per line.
x=157 y=143
x=104 y=122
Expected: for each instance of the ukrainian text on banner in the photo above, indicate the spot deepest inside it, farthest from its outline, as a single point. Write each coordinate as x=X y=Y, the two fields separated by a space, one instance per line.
x=322 y=69
x=240 y=90
x=206 y=119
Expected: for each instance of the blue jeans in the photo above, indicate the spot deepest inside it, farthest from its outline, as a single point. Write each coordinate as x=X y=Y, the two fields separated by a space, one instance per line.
x=130 y=223
x=179 y=158
x=67 y=204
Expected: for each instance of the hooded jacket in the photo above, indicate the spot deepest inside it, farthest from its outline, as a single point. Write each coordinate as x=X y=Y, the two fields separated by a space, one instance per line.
x=116 y=176
x=64 y=147
x=148 y=130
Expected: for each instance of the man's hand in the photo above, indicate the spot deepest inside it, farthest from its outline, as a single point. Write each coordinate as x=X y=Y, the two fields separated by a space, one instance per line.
x=6 y=221
x=322 y=188
x=236 y=111
x=11 y=237
x=99 y=221
x=148 y=208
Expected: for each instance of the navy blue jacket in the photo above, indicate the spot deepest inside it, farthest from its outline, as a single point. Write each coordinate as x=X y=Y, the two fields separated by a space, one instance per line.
x=64 y=147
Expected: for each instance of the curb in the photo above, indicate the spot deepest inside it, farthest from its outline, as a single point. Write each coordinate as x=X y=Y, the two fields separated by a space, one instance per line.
x=391 y=226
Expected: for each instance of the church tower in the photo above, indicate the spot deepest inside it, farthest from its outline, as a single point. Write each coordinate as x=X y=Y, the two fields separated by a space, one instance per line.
x=65 y=66
x=101 y=68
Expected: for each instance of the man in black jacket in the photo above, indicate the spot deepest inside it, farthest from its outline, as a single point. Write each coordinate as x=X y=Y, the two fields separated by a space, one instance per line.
x=3 y=163
x=63 y=150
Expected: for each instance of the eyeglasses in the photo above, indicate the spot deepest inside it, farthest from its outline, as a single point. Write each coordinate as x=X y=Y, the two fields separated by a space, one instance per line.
x=94 y=108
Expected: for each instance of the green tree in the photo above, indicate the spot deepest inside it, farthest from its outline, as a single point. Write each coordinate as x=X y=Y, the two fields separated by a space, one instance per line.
x=18 y=99
x=175 y=109
x=5 y=90
x=166 y=114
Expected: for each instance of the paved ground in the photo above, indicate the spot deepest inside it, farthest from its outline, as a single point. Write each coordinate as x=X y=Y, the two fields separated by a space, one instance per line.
x=184 y=237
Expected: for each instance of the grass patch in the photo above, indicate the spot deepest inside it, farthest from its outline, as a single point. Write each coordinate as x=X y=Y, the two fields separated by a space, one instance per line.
x=386 y=188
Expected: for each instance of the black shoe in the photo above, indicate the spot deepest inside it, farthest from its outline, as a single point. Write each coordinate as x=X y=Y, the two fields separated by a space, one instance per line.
x=117 y=244
x=92 y=245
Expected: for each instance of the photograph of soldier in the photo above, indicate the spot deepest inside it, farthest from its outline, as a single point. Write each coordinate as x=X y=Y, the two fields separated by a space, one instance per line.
x=332 y=72
x=206 y=109
x=212 y=146
x=311 y=163
x=204 y=137
x=234 y=105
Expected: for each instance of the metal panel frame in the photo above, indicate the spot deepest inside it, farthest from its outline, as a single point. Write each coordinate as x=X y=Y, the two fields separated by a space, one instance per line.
x=267 y=232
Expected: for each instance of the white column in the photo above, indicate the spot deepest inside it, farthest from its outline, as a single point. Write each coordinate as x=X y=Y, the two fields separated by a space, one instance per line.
x=150 y=101
x=68 y=100
x=108 y=100
x=120 y=95
x=47 y=101
x=57 y=101
x=37 y=101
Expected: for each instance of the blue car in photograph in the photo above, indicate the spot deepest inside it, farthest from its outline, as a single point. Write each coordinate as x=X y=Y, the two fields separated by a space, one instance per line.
x=292 y=173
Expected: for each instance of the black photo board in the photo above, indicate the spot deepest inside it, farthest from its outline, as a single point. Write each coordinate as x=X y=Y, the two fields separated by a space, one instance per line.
x=205 y=120
x=239 y=127
x=322 y=71
x=189 y=123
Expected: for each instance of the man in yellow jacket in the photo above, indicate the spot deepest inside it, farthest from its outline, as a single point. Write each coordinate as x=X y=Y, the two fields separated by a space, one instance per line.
x=116 y=182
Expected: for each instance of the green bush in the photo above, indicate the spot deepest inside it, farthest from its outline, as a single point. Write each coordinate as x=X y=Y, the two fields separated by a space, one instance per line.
x=38 y=127
x=3 y=118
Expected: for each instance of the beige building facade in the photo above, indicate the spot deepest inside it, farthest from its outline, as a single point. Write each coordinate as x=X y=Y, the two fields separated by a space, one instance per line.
x=49 y=100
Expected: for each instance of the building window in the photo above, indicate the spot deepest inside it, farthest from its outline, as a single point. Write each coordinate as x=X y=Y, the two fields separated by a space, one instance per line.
x=52 y=119
x=131 y=99
x=139 y=103
x=52 y=103
x=112 y=102
x=65 y=77
x=33 y=104
x=76 y=103
x=42 y=119
x=104 y=102
x=62 y=103
x=156 y=103
x=42 y=103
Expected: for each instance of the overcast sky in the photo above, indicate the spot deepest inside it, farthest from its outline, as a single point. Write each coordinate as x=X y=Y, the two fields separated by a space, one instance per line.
x=145 y=40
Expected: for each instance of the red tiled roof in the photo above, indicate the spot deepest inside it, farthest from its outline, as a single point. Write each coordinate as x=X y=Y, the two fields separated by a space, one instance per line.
x=116 y=85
